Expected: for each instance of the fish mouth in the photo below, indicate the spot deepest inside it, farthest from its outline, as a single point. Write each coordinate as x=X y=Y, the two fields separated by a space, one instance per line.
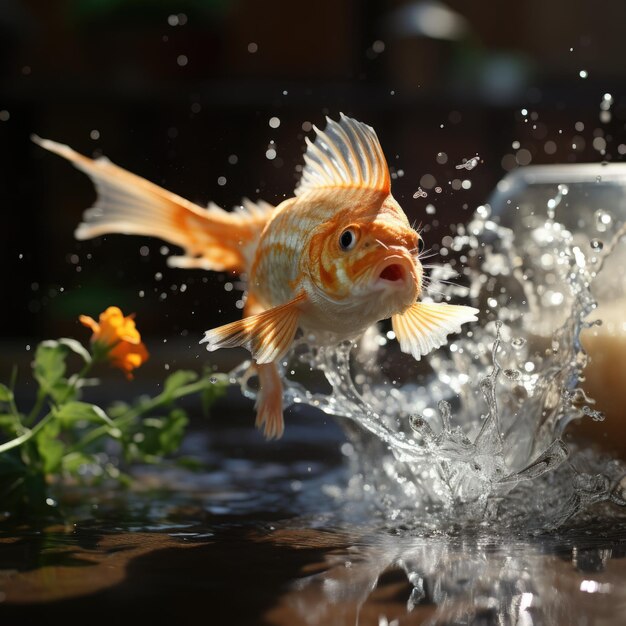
x=393 y=273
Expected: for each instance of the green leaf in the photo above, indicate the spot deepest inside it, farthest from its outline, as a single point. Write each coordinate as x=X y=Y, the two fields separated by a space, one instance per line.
x=117 y=409
x=50 y=448
x=49 y=366
x=6 y=395
x=77 y=348
x=177 y=380
x=74 y=461
x=10 y=424
x=172 y=433
x=158 y=436
x=72 y=412
x=63 y=391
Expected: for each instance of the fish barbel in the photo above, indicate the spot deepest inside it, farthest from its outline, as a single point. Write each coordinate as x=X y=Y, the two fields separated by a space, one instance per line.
x=337 y=257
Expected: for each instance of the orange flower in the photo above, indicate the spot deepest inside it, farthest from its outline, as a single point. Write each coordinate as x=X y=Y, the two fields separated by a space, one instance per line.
x=116 y=337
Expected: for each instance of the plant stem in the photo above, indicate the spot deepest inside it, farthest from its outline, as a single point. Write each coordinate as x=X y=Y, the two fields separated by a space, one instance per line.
x=12 y=404
x=83 y=372
x=18 y=441
x=29 y=434
x=138 y=411
x=41 y=396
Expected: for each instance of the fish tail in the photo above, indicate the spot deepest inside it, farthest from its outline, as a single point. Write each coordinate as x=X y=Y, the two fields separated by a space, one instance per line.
x=211 y=238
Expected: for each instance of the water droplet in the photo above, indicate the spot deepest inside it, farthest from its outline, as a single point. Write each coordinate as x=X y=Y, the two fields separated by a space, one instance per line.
x=483 y=211
x=599 y=144
x=468 y=164
x=596 y=244
x=378 y=46
x=511 y=374
x=596 y=416
x=603 y=220
x=562 y=190
x=420 y=193
x=486 y=385
x=213 y=379
x=523 y=156
x=518 y=342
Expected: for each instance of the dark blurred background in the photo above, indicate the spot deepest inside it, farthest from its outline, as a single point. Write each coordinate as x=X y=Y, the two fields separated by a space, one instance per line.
x=213 y=98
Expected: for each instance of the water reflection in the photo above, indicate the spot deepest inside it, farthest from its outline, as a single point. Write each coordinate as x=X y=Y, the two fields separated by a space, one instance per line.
x=465 y=580
x=304 y=572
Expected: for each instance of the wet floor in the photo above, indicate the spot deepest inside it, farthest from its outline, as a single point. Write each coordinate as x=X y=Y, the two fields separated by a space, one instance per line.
x=257 y=538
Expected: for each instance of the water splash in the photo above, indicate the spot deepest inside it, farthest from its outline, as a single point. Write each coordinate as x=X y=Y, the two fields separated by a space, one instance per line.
x=504 y=391
x=469 y=163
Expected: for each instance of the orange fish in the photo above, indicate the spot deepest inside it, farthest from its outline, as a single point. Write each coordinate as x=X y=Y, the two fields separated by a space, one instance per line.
x=333 y=260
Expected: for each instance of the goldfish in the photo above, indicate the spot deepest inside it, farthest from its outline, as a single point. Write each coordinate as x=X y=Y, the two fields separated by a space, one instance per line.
x=332 y=260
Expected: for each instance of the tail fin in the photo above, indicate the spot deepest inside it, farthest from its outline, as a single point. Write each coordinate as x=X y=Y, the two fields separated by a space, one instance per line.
x=211 y=238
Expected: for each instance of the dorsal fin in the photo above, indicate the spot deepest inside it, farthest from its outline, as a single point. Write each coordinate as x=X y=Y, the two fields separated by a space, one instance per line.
x=346 y=154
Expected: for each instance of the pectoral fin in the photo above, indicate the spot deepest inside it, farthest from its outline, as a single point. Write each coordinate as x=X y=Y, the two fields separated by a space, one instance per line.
x=425 y=326
x=267 y=335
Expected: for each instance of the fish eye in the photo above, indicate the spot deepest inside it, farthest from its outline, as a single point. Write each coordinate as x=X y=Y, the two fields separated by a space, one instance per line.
x=347 y=240
x=420 y=245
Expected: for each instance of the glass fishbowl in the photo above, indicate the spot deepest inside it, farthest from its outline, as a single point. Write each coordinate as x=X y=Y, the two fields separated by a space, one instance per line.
x=587 y=202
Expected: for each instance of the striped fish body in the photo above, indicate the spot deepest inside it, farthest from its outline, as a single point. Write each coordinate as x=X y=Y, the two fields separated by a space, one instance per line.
x=299 y=252
x=275 y=275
